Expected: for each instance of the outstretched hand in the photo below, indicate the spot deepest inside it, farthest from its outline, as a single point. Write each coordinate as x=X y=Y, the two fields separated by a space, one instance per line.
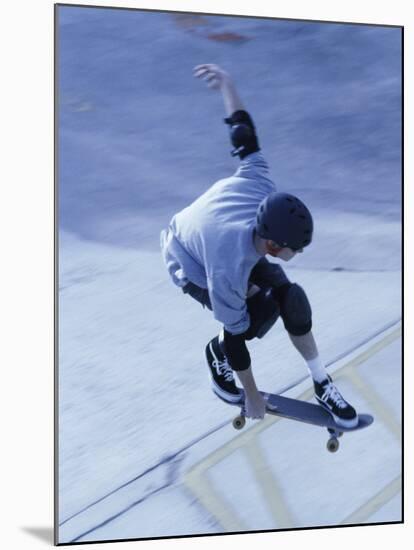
x=214 y=75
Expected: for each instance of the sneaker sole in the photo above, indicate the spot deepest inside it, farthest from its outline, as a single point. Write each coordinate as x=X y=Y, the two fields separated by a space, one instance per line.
x=230 y=397
x=341 y=422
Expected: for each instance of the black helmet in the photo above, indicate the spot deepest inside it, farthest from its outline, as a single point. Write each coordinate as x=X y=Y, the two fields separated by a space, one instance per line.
x=284 y=219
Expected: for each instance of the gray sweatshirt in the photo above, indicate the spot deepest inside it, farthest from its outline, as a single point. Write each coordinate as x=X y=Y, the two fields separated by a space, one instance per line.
x=210 y=243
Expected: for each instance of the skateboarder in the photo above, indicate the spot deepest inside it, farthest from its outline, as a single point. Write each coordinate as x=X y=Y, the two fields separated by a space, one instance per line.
x=215 y=250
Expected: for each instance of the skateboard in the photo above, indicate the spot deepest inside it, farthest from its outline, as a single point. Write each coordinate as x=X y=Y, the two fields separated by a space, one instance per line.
x=302 y=411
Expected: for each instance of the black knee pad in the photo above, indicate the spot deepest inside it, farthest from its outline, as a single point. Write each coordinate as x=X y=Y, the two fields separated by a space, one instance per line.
x=264 y=311
x=295 y=310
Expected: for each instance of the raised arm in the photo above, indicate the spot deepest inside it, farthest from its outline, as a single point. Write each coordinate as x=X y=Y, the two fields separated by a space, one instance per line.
x=218 y=79
x=242 y=130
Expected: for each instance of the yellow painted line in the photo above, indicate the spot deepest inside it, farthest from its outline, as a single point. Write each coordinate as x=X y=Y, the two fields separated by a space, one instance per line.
x=376 y=404
x=236 y=443
x=216 y=505
x=372 y=350
x=195 y=479
x=214 y=502
x=272 y=493
x=375 y=503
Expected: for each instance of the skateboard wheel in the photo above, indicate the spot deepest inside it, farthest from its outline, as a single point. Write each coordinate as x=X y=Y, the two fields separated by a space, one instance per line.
x=334 y=433
x=332 y=445
x=239 y=422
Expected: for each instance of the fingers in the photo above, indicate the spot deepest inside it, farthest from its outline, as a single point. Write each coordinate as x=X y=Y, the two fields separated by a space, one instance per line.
x=211 y=74
x=255 y=415
x=256 y=409
x=206 y=67
x=208 y=71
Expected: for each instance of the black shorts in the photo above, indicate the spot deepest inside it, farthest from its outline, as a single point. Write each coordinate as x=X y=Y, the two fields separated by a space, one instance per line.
x=262 y=307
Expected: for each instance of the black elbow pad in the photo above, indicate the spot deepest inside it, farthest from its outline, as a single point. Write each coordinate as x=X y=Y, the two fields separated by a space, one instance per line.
x=236 y=351
x=242 y=134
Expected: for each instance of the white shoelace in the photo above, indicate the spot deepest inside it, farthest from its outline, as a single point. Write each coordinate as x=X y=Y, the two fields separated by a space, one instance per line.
x=332 y=393
x=223 y=368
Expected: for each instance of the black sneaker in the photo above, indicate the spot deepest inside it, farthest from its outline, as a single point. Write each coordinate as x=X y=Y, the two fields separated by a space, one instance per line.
x=329 y=397
x=221 y=374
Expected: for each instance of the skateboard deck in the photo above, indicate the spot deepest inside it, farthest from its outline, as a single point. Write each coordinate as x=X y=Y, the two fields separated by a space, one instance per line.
x=302 y=411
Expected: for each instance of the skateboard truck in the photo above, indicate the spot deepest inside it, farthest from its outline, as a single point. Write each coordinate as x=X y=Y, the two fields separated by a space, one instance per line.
x=332 y=445
x=303 y=411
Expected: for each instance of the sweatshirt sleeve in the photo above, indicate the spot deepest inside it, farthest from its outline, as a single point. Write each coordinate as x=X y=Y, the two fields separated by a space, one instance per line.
x=229 y=307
